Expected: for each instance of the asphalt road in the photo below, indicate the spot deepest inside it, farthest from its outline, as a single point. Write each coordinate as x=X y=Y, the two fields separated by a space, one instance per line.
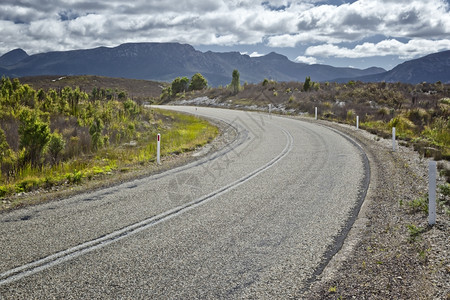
x=257 y=219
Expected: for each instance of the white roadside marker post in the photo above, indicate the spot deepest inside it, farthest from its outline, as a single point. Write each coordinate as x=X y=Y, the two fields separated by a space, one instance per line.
x=158 y=149
x=357 y=122
x=270 y=109
x=432 y=193
x=315 y=112
x=393 y=139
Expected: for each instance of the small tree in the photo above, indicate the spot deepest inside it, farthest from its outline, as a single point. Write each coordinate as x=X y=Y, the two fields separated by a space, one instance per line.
x=179 y=85
x=33 y=136
x=4 y=146
x=198 y=82
x=166 y=93
x=95 y=130
x=131 y=107
x=307 y=84
x=7 y=160
x=235 y=83
x=55 y=145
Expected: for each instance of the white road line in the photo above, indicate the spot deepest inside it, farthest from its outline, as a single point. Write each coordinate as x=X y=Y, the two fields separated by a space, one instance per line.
x=71 y=253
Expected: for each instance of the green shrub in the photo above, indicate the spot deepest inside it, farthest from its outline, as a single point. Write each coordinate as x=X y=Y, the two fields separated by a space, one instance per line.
x=445 y=189
x=350 y=115
x=439 y=134
x=418 y=205
x=50 y=181
x=445 y=192
x=414 y=232
x=419 y=116
x=75 y=177
x=5 y=191
x=27 y=185
x=404 y=127
x=445 y=101
x=55 y=146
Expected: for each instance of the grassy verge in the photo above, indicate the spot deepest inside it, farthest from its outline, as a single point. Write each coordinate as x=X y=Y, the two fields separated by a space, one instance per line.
x=431 y=141
x=180 y=133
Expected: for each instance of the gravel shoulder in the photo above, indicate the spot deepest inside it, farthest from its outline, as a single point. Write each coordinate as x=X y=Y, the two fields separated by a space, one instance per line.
x=381 y=257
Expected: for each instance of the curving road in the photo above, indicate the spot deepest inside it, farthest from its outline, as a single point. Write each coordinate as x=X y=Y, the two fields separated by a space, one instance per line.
x=258 y=219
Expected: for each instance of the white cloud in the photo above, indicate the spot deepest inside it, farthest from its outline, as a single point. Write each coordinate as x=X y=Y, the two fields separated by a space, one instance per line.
x=307 y=60
x=256 y=54
x=60 y=24
x=411 y=49
x=253 y=54
x=47 y=29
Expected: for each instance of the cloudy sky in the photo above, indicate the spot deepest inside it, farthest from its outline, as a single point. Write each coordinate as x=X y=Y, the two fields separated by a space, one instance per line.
x=359 y=33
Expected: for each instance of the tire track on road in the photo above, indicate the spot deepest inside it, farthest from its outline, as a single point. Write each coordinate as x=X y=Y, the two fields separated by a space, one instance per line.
x=40 y=265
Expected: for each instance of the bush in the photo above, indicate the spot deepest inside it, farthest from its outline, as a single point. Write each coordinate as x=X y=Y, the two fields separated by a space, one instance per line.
x=55 y=146
x=33 y=135
x=95 y=130
x=350 y=115
x=73 y=147
x=404 y=127
x=439 y=134
x=414 y=232
x=445 y=191
x=198 y=82
x=419 y=205
x=419 y=116
x=4 y=191
x=75 y=177
x=27 y=185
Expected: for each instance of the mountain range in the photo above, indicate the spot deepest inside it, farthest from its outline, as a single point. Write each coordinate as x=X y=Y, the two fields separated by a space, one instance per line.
x=431 y=68
x=166 y=61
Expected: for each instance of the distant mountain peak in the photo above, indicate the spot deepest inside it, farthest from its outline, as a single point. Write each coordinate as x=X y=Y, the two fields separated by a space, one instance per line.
x=13 y=57
x=274 y=55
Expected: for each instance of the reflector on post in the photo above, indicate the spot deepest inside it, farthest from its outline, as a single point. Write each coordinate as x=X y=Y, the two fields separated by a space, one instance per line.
x=158 y=149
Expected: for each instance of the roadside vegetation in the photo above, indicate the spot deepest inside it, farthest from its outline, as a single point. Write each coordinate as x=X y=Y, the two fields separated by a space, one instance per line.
x=138 y=90
x=61 y=137
x=181 y=85
x=419 y=112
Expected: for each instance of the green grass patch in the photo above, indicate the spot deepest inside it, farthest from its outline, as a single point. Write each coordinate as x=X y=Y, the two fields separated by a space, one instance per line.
x=432 y=141
x=419 y=205
x=444 y=189
x=414 y=232
x=185 y=134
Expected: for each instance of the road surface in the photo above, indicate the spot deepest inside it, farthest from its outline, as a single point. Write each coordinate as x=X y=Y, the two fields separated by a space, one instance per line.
x=258 y=219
